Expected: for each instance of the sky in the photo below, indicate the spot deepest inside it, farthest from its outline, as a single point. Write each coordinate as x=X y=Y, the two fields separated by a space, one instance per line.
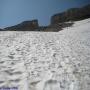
x=13 y=12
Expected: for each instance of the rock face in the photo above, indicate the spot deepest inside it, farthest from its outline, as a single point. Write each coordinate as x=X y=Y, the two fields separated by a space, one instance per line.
x=1 y=29
x=26 y=25
x=58 y=21
x=72 y=14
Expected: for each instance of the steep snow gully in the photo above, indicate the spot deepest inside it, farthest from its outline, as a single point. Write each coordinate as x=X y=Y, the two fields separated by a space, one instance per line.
x=46 y=60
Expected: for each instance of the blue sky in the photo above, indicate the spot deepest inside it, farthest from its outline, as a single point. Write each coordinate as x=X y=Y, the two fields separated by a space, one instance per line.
x=13 y=12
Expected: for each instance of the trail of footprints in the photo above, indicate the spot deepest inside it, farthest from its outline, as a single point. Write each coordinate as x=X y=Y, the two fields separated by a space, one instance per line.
x=12 y=68
x=29 y=61
x=38 y=61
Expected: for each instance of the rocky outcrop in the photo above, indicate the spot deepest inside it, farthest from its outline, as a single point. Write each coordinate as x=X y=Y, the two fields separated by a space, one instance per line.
x=72 y=14
x=0 y=29
x=26 y=25
x=59 y=26
x=58 y=21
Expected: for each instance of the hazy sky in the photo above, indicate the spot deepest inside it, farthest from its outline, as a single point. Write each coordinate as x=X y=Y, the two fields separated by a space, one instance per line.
x=15 y=11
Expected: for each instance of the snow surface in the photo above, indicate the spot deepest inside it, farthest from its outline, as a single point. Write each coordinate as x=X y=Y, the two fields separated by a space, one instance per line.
x=46 y=60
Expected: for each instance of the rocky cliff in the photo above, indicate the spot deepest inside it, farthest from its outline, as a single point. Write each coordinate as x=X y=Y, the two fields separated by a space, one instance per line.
x=26 y=25
x=72 y=14
x=58 y=21
x=0 y=29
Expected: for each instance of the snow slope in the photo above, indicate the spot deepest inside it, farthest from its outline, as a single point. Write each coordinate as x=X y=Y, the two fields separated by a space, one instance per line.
x=46 y=60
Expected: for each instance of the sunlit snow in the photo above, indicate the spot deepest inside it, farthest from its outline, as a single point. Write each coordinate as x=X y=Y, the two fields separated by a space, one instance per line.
x=46 y=60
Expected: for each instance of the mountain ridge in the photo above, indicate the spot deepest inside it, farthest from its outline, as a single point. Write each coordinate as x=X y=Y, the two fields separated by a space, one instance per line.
x=58 y=21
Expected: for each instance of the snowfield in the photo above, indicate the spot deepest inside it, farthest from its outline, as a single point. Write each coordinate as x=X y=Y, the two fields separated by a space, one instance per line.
x=46 y=60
